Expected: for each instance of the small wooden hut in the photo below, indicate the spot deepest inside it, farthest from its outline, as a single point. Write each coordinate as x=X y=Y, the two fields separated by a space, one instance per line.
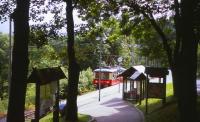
x=134 y=83
x=47 y=91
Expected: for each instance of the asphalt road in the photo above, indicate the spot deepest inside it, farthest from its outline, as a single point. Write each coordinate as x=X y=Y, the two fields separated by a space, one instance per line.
x=107 y=93
x=111 y=107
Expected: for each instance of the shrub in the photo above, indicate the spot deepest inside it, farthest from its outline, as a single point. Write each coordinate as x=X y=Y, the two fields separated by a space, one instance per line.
x=30 y=96
x=3 y=105
x=63 y=92
x=85 y=81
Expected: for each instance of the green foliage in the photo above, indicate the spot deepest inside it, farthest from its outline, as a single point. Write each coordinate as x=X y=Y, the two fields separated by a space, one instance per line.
x=85 y=48
x=131 y=23
x=4 y=56
x=48 y=118
x=88 y=45
x=85 y=81
x=30 y=96
x=121 y=33
x=149 y=42
x=42 y=57
x=45 y=56
x=3 y=105
x=126 y=25
x=38 y=36
x=63 y=91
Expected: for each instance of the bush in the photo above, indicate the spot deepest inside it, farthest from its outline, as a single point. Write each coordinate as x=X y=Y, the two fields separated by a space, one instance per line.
x=63 y=92
x=85 y=81
x=3 y=105
x=30 y=96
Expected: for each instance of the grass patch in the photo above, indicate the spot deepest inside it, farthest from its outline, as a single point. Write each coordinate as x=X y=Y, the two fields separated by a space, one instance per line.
x=155 y=104
x=159 y=113
x=49 y=118
x=166 y=113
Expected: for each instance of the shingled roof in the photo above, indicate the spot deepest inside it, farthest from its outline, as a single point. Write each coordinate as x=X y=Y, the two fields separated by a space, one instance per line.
x=134 y=73
x=46 y=75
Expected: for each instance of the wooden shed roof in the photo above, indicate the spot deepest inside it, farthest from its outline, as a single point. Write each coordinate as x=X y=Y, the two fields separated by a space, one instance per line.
x=134 y=73
x=156 y=71
x=128 y=73
x=46 y=75
x=137 y=76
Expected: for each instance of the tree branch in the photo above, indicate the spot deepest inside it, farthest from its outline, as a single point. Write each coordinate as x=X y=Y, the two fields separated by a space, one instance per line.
x=150 y=17
x=162 y=35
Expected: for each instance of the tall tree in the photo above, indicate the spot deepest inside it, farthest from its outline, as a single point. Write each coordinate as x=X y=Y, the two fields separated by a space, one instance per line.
x=186 y=61
x=19 y=62
x=73 y=69
x=183 y=59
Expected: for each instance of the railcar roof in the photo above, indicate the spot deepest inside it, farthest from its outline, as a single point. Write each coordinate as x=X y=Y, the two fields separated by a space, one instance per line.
x=106 y=70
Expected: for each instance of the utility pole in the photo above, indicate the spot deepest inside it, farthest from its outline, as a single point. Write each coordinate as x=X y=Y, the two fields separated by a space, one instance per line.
x=10 y=54
x=100 y=62
x=119 y=62
x=131 y=46
x=100 y=74
x=101 y=39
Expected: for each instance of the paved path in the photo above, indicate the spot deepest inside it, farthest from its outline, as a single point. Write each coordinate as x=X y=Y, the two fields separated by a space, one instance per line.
x=198 y=87
x=111 y=108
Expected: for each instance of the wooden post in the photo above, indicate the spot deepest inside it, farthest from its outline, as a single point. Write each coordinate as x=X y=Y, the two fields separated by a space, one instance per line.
x=131 y=84
x=140 y=95
x=143 y=89
x=37 y=102
x=123 y=85
x=126 y=85
x=147 y=95
x=56 y=106
x=164 y=97
x=159 y=80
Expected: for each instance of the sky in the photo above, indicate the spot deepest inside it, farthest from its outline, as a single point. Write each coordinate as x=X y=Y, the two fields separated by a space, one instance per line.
x=5 y=26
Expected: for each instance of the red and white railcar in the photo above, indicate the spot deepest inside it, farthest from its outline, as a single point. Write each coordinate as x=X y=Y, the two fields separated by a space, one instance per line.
x=107 y=76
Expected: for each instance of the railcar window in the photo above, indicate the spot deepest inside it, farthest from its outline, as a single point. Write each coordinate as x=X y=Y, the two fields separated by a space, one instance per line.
x=104 y=75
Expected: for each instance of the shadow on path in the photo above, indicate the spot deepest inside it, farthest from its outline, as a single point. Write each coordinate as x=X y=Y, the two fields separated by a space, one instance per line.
x=114 y=110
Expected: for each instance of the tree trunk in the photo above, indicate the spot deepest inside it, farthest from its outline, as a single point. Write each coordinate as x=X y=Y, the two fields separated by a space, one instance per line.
x=73 y=71
x=187 y=65
x=20 y=62
x=184 y=62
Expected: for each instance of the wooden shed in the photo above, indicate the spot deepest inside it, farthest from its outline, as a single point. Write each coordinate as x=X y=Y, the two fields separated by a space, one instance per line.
x=134 y=83
x=47 y=91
